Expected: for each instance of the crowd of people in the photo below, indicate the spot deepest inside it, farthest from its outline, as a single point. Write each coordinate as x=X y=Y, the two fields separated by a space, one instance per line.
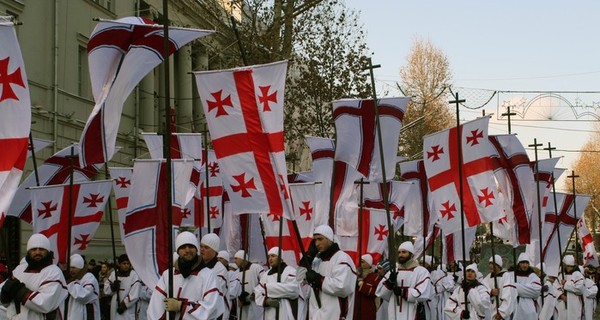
x=326 y=285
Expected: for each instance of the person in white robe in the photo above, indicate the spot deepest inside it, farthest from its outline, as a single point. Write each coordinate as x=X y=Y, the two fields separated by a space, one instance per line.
x=590 y=292
x=209 y=250
x=502 y=289
x=234 y=286
x=124 y=286
x=529 y=289
x=248 y=274
x=478 y=304
x=550 y=294
x=84 y=299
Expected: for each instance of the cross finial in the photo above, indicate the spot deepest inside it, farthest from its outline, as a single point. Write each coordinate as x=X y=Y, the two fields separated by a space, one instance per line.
x=550 y=148
x=508 y=114
x=457 y=101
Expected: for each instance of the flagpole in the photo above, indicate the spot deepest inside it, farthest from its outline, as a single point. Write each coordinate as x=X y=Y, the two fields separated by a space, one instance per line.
x=391 y=235
x=167 y=145
x=206 y=180
x=458 y=101
x=246 y=248
x=535 y=146
x=573 y=176
x=361 y=206
x=279 y=243
x=112 y=228
x=35 y=169
x=560 y=253
x=264 y=237
x=70 y=217
x=508 y=114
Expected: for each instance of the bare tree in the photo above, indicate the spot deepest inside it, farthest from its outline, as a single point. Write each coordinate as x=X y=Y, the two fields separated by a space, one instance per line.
x=425 y=78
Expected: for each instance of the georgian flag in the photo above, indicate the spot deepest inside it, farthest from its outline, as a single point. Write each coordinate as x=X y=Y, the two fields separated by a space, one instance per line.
x=590 y=256
x=452 y=244
x=372 y=237
x=304 y=197
x=417 y=216
x=398 y=194
x=244 y=112
x=50 y=205
x=15 y=115
x=122 y=178
x=183 y=145
x=322 y=151
x=121 y=53
x=480 y=202
x=357 y=138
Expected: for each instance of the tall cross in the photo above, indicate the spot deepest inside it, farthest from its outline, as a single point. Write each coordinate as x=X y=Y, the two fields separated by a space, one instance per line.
x=535 y=146
x=508 y=114
x=573 y=176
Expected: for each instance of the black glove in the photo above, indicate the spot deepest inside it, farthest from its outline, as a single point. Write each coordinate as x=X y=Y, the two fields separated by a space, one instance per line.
x=399 y=291
x=314 y=279
x=309 y=256
x=545 y=288
x=390 y=283
x=121 y=308
x=244 y=298
x=115 y=286
x=465 y=314
x=10 y=289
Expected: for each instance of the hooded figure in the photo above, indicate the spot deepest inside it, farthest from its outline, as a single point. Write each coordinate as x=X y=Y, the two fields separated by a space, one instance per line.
x=502 y=289
x=478 y=296
x=529 y=288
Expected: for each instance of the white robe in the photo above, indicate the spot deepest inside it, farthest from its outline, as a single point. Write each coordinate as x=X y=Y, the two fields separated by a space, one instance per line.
x=83 y=298
x=337 y=290
x=589 y=301
x=529 y=288
x=285 y=290
x=443 y=285
x=223 y=283
x=145 y=295
x=129 y=293
x=418 y=283
x=251 y=279
x=507 y=297
x=200 y=291
x=49 y=292
x=479 y=303
x=550 y=300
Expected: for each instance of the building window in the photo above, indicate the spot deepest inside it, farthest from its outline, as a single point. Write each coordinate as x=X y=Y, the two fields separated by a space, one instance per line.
x=83 y=77
x=107 y=4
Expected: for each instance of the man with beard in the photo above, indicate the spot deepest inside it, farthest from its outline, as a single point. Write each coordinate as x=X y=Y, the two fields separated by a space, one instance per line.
x=84 y=303
x=195 y=287
x=209 y=249
x=478 y=298
x=249 y=274
x=278 y=290
x=332 y=278
x=502 y=289
x=529 y=288
x=37 y=288
x=124 y=286
x=406 y=286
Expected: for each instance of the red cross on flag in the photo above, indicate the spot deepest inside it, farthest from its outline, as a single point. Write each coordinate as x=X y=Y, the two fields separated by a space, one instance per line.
x=304 y=197
x=122 y=178
x=289 y=243
x=452 y=244
x=517 y=185
x=322 y=151
x=590 y=256
x=120 y=54
x=480 y=203
x=373 y=236
x=417 y=216
x=357 y=139
x=244 y=112
x=15 y=115
x=55 y=170
x=398 y=194
x=146 y=229
x=38 y=145
x=545 y=177
x=50 y=205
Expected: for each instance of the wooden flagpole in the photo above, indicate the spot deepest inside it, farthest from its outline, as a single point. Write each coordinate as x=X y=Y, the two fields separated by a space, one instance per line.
x=112 y=229
x=573 y=176
x=535 y=146
x=560 y=253
x=206 y=181
x=508 y=114
x=70 y=217
x=35 y=168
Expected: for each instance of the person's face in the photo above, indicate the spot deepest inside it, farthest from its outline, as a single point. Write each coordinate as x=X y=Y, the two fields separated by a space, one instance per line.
x=364 y=265
x=568 y=268
x=380 y=271
x=523 y=265
x=74 y=272
x=104 y=268
x=207 y=253
x=321 y=242
x=125 y=266
x=273 y=260
x=37 y=254
x=187 y=252
x=238 y=261
x=404 y=256
x=471 y=275
x=493 y=267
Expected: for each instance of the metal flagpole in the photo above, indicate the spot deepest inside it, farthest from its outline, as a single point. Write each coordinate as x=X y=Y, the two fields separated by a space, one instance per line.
x=457 y=102
x=112 y=229
x=35 y=168
x=206 y=180
x=70 y=217
x=560 y=253
x=508 y=114
x=535 y=146
x=279 y=271
x=573 y=176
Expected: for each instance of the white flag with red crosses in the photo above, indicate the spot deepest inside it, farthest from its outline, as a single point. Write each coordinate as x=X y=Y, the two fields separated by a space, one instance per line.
x=322 y=151
x=244 y=112
x=51 y=208
x=304 y=202
x=445 y=175
x=590 y=257
x=15 y=115
x=122 y=178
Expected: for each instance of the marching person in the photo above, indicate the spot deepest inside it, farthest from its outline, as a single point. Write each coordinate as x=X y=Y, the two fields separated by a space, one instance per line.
x=383 y=267
x=406 y=287
x=478 y=296
x=365 y=306
x=332 y=278
x=591 y=290
x=126 y=287
x=529 y=288
x=195 y=288
x=84 y=302
x=209 y=249
x=37 y=287
x=105 y=271
x=234 y=285
x=549 y=295
x=278 y=289
x=443 y=285
x=249 y=274
x=573 y=289
x=502 y=290
x=143 y=302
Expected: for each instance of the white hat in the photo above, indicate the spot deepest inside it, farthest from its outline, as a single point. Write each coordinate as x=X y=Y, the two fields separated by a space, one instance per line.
x=524 y=257
x=325 y=231
x=240 y=254
x=473 y=267
x=212 y=241
x=497 y=259
x=38 y=240
x=428 y=260
x=569 y=260
x=367 y=258
x=77 y=261
x=408 y=246
x=273 y=251
x=223 y=254
x=186 y=237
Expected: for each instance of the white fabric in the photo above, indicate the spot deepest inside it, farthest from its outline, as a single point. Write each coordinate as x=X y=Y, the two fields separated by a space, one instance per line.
x=200 y=291
x=337 y=289
x=83 y=293
x=550 y=301
x=367 y=258
x=507 y=295
x=144 y=302
x=274 y=251
x=325 y=231
x=322 y=152
x=38 y=240
x=574 y=288
x=569 y=260
x=408 y=246
x=212 y=241
x=250 y=280
x=186 y=237
x=473 y=267
x=48 y=293
x=589 y=298
x=285 y=289
x=415 y=211
x=529 y=288
x=223 y=254
x=417 y=281
x=524 y=257
x=76 y=261
x=497 y=259
x=240 y=254
x=443 y=285
x=479 y=303
x=129 y=294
